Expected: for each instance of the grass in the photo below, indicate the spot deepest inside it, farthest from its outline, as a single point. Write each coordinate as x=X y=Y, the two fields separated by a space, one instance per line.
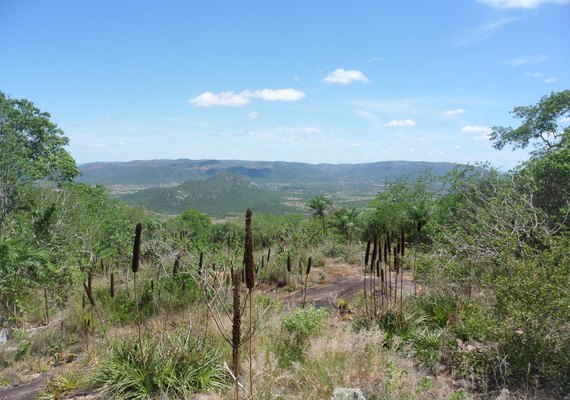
x=176 y=363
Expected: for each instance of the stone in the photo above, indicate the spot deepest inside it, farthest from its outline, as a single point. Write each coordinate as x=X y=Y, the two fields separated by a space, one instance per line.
x=347 y=394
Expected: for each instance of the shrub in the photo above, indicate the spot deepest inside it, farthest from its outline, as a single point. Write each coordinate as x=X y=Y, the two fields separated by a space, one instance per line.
x=299 y=327
x=303 y=323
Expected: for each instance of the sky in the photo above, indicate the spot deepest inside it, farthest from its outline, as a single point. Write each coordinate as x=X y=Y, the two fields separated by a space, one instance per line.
x=297 y=80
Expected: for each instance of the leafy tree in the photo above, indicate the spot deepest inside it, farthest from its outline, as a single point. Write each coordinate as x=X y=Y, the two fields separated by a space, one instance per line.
x=404 y=203
x=197 y=224
x=319 y=204
x=549 y=168
x=541 y=125
x=31 y=149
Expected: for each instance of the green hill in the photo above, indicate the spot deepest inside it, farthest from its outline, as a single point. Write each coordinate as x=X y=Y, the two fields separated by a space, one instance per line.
x=219 y=196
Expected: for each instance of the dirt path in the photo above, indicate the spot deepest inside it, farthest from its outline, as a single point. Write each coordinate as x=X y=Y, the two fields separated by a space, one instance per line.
x=342 y=281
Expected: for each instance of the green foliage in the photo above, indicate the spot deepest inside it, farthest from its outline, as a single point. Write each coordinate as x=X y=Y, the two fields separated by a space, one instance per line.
x=175 y=363
x=550 y=177
x=541 y=125
x=319 y=205
x=196 y=227
x=61 y=385
x=403 y=203
x=31 y=149
x=534 y=308
x=436 y=307
x=305 y=322
x=22 y=267
x=299 y=327
x=346 y=222
x=476 y=321
x=425 y=347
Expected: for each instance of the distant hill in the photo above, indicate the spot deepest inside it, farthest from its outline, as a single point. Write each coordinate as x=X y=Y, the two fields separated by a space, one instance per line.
x=219 y=196
x=168 y=172
x=223 y=187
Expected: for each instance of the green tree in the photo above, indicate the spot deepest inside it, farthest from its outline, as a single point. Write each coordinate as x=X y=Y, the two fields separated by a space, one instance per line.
x=31 y=149
x=197 y=225
x=541 y=125
x=319 y=204
x=545 y=125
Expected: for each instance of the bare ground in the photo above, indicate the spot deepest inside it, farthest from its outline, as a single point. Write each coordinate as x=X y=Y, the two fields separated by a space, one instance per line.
x=342 y=281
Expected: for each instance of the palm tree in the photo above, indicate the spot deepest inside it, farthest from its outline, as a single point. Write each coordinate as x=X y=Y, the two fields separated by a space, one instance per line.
x=319 y=204
x=345 y=221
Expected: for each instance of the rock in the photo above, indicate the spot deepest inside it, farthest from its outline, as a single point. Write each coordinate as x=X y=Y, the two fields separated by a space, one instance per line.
x=347 y=394
x=9 y=355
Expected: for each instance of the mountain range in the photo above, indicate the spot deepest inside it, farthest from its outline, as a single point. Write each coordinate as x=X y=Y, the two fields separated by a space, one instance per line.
x=223 y=187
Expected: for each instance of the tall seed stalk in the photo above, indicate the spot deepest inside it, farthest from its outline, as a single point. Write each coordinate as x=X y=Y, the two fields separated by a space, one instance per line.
x=135 y=268
x=289 y=274
x=236 y=327
x=250 y=283
x=373 y=278
x=309 y=263
x=366 y=258
x=402 y=253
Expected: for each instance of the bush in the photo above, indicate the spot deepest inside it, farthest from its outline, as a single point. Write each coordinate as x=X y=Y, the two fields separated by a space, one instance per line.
x=176 y=364
x=305 y=322
x=299 y=327
x=534 y=310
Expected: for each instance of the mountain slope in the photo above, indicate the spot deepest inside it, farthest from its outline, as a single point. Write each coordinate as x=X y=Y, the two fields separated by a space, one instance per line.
x=218 y=196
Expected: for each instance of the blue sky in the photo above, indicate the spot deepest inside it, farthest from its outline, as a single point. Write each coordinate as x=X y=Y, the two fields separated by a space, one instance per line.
x=310 y=81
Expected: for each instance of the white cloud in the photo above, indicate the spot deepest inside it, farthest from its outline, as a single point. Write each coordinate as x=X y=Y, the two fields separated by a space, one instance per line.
x=344 y=77
x=311 y=130
x=565 y=120
x=534 y=74
x=274 y=94
x=458 y=111
x=406 y=123
x=482 y=132
x=542 y=76
x=355 y=144
x=254 y=115
x=524 y=60
x=520 y=3
x=229 y=99
x=484 y=31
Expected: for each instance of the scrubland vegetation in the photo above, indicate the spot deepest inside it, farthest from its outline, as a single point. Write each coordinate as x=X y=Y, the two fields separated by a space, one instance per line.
x=463 y=283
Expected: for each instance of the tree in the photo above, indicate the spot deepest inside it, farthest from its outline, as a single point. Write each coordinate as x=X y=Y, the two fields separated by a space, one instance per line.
x=31 y=149
x=546 y=125
x=345 y=220
x=319 y=204
x=541 y=125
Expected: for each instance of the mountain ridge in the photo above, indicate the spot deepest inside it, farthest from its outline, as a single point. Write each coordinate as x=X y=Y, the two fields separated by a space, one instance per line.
x=165 y=171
